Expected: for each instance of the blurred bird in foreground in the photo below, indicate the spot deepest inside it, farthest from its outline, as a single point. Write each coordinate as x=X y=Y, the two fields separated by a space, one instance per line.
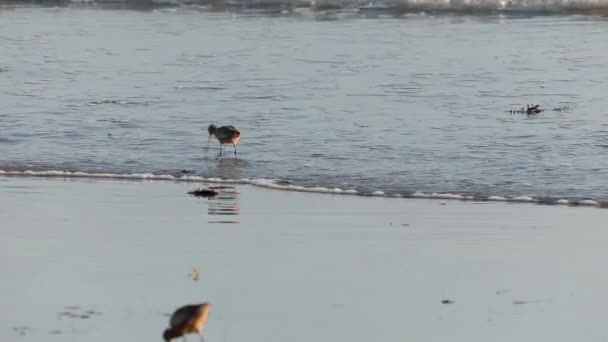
x=189 y=319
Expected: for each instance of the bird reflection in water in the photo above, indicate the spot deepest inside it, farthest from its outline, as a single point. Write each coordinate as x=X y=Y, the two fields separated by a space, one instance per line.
x=226 y=202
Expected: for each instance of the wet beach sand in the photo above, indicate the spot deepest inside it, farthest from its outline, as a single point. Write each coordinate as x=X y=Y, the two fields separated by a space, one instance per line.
x=101 y=260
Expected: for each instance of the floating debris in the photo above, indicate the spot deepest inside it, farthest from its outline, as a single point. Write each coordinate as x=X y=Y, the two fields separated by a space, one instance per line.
x=55 y=332
x=535 y=109
x=562 y=109
x=105 y=102
x=520 y=302
x=447 y=301
x=529 y=110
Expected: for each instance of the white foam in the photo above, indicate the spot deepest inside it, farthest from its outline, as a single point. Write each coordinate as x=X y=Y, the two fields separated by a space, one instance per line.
x=447 y=196
x=278 y=185
x=420 y=195
x=267 y=183
x=522 y=199
x=588 y=202
x=497 y=198
x=272 y=184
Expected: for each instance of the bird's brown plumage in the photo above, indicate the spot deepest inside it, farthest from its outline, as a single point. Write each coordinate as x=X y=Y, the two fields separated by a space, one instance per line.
x=225 y=135
x=189 y=319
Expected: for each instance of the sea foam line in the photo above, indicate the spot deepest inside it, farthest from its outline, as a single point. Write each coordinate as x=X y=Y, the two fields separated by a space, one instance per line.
x=279 y=185
x=261 y=182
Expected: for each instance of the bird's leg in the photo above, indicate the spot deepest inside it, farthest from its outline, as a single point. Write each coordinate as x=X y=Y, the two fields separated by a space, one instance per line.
x=219 y=155
x=201 y=335
x=234 y=149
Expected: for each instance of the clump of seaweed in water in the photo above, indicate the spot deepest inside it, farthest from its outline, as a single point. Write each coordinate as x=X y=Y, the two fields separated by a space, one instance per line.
x=562 y=109
x=535 y=109
x=529 y=110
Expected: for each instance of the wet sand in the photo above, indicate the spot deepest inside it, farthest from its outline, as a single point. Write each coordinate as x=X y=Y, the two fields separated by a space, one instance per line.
x=100 y=260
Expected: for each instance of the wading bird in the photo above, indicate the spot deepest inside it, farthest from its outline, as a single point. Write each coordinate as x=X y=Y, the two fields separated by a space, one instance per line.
x=189 y=319
x=225 y=135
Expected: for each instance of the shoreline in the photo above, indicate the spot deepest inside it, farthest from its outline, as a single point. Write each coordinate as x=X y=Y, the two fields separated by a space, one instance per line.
x=286 y=186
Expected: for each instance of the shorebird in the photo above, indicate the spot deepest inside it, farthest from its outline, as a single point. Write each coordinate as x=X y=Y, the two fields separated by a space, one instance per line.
x=189 y=319
x=225 y=135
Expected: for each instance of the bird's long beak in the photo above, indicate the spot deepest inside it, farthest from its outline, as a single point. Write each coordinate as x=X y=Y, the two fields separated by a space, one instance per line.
x=209 y=140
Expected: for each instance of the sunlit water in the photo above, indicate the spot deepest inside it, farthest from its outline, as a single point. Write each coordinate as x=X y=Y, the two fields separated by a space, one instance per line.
x=401 y=105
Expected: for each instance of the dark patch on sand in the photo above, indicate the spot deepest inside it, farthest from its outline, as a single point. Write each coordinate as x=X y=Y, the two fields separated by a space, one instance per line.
x=203 y=193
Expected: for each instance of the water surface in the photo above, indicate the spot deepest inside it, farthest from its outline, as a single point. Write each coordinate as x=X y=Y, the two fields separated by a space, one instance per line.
x=417 y=103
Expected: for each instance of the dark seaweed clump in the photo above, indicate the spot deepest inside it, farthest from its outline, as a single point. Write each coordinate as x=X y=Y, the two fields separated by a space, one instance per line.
x=535 y=109
x=203 y=193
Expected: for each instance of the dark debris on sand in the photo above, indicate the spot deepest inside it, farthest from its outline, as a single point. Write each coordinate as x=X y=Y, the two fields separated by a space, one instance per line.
x=203 y=193
x=22 y=330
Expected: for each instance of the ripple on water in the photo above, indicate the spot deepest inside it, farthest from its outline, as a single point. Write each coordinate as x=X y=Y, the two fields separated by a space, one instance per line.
x=320 y=110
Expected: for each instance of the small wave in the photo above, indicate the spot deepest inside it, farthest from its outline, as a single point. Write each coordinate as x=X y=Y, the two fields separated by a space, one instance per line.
x=313 y=61
x=194 y=87
x=278 y=184
x=118 y=102
x=366 y=8
x=7 y=140
x=259 y=97
x=25 y=93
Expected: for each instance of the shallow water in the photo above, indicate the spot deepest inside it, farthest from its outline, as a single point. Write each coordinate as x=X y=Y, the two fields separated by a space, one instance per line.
x=399 y=105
